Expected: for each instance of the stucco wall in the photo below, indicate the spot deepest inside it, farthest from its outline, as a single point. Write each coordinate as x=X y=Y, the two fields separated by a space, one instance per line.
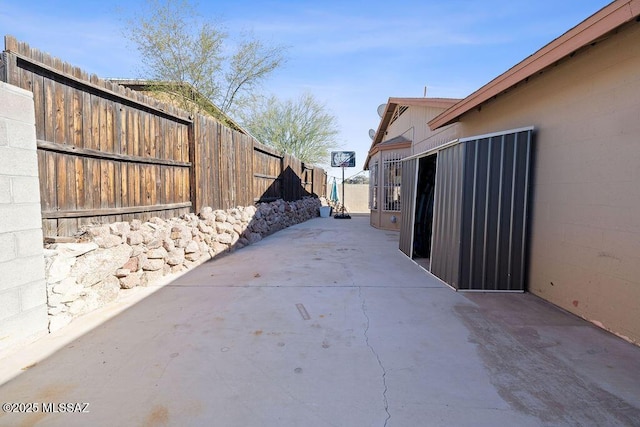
x=356 y=197
x=585 y=218
x=23 y=297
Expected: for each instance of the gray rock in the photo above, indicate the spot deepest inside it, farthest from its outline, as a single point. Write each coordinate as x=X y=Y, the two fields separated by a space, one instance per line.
x=137 y=250
x=152 y=264
x=131 y=281
x=77 y=307
x=99 y=264
x=219 y=248
x=168 y=244
x=122 y=272
x=60 y=268
x=180 y=232
x=206 y=213
x=221 y=216
x=225 y=238
x=102 y=293
x=65 y=285
x=157 y=221
x=68 y=250
x=193 y=256
x=224 y=227
x=52 y=311
x=54 y=300
x=154 y=243
x=177 y=269
x=134 y=238
x=133 y=264
x=204 y=228
x=98 y=230
x=147 y=236
x=120 y=228
x=191 y=247
x=157 y=253
x=151 y=277
x=107 y=241
x=175 y=257
x=182 y=243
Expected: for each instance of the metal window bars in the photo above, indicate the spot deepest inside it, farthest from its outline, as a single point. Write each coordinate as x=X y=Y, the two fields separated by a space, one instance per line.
x=392 y=173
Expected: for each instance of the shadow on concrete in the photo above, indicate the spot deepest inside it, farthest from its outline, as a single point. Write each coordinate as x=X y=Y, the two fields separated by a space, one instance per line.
x=327 y=323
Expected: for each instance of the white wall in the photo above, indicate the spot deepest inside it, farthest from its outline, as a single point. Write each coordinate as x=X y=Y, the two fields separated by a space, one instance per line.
x=23 y=297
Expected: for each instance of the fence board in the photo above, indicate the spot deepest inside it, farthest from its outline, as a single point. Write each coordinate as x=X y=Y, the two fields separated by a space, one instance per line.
x=108 y=153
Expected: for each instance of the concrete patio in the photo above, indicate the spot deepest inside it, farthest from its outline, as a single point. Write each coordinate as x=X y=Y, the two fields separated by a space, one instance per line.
x=325 y=323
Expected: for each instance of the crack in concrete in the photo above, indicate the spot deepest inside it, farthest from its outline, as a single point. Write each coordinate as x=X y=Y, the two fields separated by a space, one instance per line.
x=373 y=351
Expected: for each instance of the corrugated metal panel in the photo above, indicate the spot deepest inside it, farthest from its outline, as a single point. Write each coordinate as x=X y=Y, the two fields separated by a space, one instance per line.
x=447 y=211
x=407 y=199
x=495 y=208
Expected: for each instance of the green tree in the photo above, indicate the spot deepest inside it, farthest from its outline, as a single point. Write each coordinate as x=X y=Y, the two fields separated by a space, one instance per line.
x=301 y=127
x=179 y=47
x=357 y=179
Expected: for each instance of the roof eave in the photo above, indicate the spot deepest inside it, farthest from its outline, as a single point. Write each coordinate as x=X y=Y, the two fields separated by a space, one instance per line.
x=602 y=22
x=392 y=103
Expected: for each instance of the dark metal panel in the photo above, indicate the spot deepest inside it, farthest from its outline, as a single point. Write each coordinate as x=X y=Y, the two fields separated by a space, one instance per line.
x=407 y=201
x=495 y=208
x=445 y=252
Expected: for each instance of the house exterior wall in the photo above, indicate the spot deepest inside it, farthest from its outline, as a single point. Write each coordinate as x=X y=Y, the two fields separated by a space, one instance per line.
x=412 y=124
x=585 y=221
x=436 y=138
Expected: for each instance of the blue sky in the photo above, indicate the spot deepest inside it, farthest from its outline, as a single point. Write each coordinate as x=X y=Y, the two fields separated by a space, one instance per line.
x=351 y=55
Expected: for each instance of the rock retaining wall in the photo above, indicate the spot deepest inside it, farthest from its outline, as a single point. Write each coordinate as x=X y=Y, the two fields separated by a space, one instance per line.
x=91 y=272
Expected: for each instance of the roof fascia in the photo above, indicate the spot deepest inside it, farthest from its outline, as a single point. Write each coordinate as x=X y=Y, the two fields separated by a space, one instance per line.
x=607 y=19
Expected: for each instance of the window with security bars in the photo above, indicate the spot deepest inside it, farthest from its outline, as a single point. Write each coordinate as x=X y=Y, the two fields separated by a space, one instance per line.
x=373 y=186
x=392 y=174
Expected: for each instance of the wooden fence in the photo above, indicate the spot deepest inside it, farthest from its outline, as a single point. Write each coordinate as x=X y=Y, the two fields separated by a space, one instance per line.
x=106 y=153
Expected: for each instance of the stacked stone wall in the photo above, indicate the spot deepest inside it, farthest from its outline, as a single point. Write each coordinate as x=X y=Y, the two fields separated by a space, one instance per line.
x=106 y=259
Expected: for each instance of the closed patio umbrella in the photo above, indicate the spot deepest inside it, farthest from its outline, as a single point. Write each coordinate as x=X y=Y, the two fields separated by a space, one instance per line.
x=334 y=192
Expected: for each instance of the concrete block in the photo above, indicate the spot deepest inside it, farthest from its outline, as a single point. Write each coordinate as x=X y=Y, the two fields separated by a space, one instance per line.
x=29 y=242
x=4 y=138
x=8 y=249
x=25 y=189
x=5 y=189
x=9 y=303
x=33 y=295
x=21 y=135
x=20 y=217
x=21 y=271
x=23 y=162
x=17 y=104
x=24 y=327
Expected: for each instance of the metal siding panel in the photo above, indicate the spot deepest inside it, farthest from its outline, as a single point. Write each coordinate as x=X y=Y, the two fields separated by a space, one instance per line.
x=446 y=223
x=439 y=247
x=495 y=209
x=408 y=195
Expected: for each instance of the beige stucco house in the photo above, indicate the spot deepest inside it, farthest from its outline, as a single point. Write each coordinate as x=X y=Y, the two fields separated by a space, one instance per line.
x=551 y=149
x=403 y=130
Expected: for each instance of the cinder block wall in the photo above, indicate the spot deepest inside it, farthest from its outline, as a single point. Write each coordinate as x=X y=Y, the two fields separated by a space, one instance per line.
x=23 y=293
